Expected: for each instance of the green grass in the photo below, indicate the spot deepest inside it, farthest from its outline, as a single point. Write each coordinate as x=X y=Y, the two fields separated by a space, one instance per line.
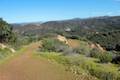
x=83 y=65
x=4 y=53
x=7 y=54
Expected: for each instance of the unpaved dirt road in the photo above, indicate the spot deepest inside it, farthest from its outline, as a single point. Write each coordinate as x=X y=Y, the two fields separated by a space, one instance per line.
x=25 y=67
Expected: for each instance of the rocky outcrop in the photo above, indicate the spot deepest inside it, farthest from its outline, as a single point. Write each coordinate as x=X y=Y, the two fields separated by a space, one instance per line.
x=2 y=46
x=62 y=39
x=97 y=46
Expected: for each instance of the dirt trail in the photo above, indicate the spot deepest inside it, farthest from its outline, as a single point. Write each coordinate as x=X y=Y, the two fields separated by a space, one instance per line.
x=25 y=67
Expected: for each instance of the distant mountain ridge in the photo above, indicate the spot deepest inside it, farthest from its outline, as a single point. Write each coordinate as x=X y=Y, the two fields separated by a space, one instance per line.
x=96 y=24
x=102 y=30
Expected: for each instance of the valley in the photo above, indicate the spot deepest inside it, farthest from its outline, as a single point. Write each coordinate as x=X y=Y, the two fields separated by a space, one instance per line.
x=75 y=49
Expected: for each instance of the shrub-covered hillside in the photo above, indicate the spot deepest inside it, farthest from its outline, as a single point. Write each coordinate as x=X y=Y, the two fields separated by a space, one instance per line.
x=96 y=24
x=105 y=28
x=109 y=40
x=6 y=34
x=84 y=61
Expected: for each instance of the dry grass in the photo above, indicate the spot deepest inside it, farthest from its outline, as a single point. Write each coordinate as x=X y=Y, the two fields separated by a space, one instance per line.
x=73 y=43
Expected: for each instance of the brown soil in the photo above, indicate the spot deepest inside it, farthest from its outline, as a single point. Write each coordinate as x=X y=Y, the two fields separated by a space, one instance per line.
x=25 y=67
x=73 y=43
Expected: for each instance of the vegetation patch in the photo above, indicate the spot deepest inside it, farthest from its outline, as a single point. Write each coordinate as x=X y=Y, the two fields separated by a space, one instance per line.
x=54 y=45
x=83 y=65
x=109 y=40
x=4 y=53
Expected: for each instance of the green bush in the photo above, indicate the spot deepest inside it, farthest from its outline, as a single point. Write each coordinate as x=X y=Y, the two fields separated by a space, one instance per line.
x=103 y=74
x=95 y=53
x=53 y=45
x=69 y=51
x=4 y=53
x=83 y=48
x=6 y=32
x=105 y=57
x=22 y=40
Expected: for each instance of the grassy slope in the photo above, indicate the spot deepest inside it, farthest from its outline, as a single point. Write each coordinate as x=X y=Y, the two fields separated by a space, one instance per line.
x=85 y=66
x=10 y=55
x=69 y=64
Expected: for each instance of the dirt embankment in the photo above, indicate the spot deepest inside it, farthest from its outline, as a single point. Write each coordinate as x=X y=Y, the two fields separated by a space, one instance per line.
x=2 y=46
x=76 y=43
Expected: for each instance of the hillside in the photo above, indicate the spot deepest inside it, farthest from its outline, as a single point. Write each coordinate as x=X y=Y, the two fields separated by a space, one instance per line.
x=96 y=24
x=87 y=28
x=61 y=50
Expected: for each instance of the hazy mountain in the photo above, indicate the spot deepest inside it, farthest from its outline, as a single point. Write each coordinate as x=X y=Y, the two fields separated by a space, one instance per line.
x=96 y=24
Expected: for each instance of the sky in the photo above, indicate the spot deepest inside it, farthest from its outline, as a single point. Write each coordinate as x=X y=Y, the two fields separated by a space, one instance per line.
x=18 y=11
